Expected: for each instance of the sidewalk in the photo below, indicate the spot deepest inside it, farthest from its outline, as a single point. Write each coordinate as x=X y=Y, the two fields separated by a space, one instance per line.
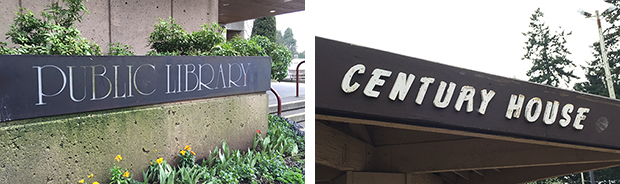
x=286 y=90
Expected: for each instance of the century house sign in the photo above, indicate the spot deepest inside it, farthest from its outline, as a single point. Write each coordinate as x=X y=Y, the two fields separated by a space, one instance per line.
x=35 y=86
x=364 y=83
x=442 y=98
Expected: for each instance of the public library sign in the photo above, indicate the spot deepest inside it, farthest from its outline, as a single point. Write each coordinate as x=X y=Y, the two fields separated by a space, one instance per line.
x=35 y=86
x=365 y=83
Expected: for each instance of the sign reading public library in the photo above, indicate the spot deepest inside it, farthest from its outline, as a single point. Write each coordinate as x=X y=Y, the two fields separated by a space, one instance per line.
x=359 y=82
x=35 y=86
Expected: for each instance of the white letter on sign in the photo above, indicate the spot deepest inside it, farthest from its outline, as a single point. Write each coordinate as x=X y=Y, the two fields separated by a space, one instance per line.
x=102 y=74
x=467 y=94
x=376 y=80
x=446 y=100
x=422 y=92
x=514 y=106
x=346 y=80
x=580 y=116
x=528 y=109
x=566 y=110
x=40 y=83
x=401 y=86
x=551 y=112
x=486 y=98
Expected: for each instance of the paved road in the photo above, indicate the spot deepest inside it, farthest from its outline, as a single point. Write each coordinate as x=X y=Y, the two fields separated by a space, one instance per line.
x=286 y=90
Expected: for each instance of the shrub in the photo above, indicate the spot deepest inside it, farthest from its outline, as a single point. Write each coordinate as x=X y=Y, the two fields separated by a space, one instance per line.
x=171 y=39
x=53 y=35
x=120 y=49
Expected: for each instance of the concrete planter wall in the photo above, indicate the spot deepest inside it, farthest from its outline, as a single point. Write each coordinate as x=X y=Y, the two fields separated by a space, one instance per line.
x=67 y=148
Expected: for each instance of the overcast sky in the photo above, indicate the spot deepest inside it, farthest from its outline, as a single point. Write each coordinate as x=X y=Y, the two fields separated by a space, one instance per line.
x=482 y=35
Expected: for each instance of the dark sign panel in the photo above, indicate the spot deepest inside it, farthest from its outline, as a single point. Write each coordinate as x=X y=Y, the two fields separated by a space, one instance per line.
x=35 y=86
x=364 y=83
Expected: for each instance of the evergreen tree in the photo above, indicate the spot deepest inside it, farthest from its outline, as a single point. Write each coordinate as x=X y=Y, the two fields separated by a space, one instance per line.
x=288 y=40
x=266 y=27
x=302 y=54
x=279 y=37
x=547 y=53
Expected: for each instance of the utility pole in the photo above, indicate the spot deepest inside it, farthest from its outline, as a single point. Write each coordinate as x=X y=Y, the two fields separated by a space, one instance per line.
x=610 y=85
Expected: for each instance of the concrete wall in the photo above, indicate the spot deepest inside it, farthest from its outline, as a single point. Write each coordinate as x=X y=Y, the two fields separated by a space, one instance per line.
x=125 y=21
x=67 y=148
x=244 y=28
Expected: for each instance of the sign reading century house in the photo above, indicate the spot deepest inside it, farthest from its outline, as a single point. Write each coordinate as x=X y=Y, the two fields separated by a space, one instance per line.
x=35 y=86
x=443 y=96
x=365 y=83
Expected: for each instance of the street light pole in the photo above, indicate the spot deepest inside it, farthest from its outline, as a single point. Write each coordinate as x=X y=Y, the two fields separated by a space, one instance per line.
x=610 y=85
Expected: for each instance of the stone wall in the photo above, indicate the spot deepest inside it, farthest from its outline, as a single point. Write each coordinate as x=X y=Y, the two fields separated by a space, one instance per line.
x=67 y=148
x=126 y=21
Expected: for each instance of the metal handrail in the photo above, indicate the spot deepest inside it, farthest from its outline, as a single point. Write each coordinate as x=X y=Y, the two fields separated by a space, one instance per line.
x=279 y=101
x=297 y=75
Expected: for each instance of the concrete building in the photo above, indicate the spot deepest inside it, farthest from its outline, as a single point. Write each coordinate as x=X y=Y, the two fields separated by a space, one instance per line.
x=388 y=118
x=241 y=28
x=130 y=22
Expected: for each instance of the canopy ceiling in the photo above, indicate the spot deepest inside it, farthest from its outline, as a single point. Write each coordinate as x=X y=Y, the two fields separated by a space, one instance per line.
x=239 y=10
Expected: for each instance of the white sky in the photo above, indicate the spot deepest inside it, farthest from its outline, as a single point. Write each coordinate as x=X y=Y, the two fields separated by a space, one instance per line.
x=481 y=35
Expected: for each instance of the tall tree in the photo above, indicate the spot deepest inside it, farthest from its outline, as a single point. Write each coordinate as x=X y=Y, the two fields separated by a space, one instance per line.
x=302 y=54
x=547 y=53
x=266 y=27
x=288 y=40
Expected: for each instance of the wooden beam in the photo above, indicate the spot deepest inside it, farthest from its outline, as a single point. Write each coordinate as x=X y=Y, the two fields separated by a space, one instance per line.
x=459 y=132
x=479 y=154
x=344 y=179
x=341 y=151
x=463 y=174
x=361 y=132
x=529 y=174
x=424 y=178
x=373 y=177
x=477 y=172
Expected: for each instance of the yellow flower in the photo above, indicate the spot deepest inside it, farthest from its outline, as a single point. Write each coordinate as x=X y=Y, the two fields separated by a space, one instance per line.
x=160 y=160
x=187 y=148
x=193 y=153
x=156 y=150
x=126 y=174
x=118 y=158
x=95 y=182
x=81 y=181
x=90 y=176
x=183 y=152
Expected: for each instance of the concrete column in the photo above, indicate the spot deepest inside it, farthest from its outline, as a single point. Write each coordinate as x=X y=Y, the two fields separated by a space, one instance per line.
x=193 y=13
x=131 y=22
x=7 y=13
x=95 y=26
